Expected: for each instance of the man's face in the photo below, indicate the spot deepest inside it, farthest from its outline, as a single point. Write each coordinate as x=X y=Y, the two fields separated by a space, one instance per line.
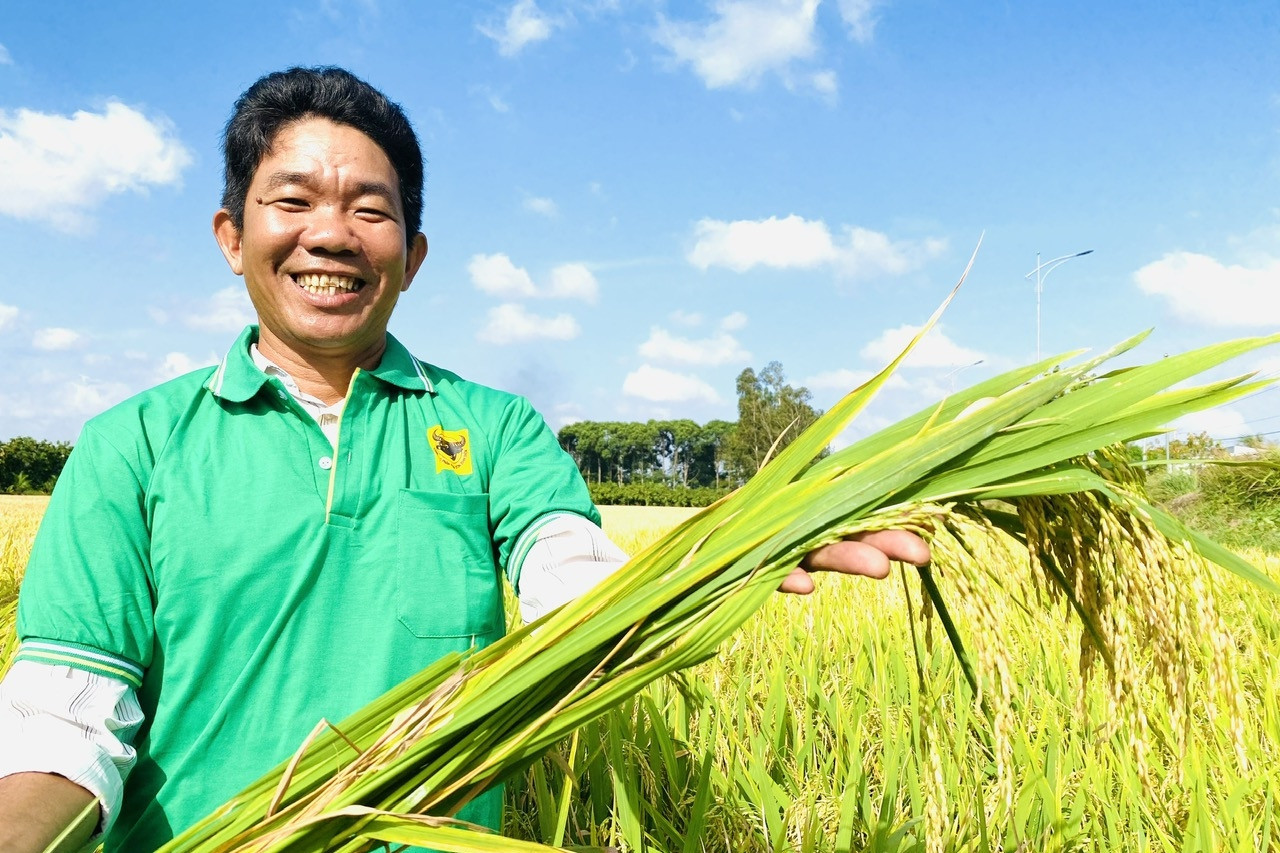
x=323 y=250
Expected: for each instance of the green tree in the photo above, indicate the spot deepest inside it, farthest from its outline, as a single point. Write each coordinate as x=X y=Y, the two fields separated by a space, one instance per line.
x=1195 y=446
x=769 y=410
x=28 y=464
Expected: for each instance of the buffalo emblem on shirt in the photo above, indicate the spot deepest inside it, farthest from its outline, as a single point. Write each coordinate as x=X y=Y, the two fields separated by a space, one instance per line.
x=452 y=449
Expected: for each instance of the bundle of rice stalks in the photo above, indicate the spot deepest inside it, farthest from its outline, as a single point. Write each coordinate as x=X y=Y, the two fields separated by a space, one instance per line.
x=1024 y=458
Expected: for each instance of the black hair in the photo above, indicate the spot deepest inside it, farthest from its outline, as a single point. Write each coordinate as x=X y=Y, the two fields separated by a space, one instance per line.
x=283 y=97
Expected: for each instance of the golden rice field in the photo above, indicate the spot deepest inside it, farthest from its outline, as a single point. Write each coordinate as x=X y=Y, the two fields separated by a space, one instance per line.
x=829 y=724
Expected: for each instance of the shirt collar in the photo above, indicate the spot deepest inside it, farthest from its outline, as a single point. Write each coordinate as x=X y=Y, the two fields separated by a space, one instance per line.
x=238 y=379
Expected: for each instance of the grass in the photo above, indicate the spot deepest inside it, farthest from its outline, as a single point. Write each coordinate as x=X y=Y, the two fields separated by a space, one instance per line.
x=806 y=733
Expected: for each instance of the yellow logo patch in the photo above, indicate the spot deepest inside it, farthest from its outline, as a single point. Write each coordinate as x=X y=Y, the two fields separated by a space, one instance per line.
x=452 y=449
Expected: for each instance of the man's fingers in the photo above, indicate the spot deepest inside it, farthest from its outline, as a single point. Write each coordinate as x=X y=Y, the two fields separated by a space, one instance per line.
x=869 y=553
x=849 y=557
x=901 y=545
x=798 y=582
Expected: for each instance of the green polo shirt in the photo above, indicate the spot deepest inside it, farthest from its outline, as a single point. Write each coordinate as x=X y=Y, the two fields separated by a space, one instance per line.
x=209 y=546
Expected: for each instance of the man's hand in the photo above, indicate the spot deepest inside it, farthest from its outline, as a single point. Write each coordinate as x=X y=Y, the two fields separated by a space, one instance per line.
x=867 y=554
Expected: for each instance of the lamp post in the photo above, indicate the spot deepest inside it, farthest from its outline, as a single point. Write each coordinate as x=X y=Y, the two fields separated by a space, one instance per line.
x=1041 y=272
x=952 y=375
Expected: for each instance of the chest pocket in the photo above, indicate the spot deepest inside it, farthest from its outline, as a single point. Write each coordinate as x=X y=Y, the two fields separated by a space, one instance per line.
x=446 y=579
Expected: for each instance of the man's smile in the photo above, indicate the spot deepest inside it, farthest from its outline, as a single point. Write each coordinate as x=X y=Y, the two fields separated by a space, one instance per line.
x=328 y=284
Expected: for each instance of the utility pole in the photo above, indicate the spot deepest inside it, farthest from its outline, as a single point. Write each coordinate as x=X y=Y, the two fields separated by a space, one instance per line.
x=1041 y=272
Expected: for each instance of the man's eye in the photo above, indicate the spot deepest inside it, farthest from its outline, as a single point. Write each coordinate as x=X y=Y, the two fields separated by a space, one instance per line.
x=290 y=203
x=373 y=214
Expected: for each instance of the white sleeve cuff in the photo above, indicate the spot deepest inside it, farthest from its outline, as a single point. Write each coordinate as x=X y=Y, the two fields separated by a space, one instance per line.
x=76 y=724
x=570 y=555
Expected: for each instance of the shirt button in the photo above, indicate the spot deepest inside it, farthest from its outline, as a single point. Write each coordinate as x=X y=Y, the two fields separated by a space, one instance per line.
x=282 y=395
x=326 y=462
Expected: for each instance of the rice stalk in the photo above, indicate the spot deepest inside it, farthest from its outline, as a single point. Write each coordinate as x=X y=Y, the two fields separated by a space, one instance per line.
x=1025 y=455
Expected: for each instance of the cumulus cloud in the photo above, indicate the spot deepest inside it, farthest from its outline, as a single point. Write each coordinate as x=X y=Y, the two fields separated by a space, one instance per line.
x=525 y=24
x=1220 y=423
x=720 y=348
x=541 y=206
x=1203 y=290
x=685 y=318
x=845 y=380
x=8 y=313
x=56 y=168
x=573 y=281
x=744 y=41
x=733 y=322
x=497 y=275
x=56 y=338
x=664 y=386
x=176 y=364
x=798 y=243
x=859 y=18
x=514 y=324
x=936 y=350
x=228 y=310
x=5 y=57
x=86 y=396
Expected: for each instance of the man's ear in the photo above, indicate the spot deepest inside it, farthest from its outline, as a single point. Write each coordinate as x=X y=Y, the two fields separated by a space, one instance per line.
x=228 y=237
x=417 y=254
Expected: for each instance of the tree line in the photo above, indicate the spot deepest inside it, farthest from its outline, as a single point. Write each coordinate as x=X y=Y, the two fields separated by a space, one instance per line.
x=642 y=463
x=29 y=466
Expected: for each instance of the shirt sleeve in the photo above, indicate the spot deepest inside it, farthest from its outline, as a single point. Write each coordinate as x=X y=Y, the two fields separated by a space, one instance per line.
x=533 y=481
x=86 y=597
x=73 y=723
x=569 y=555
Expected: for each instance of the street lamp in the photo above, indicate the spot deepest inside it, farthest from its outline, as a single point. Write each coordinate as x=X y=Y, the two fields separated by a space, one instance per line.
x=952 y=375
x=1041 y=272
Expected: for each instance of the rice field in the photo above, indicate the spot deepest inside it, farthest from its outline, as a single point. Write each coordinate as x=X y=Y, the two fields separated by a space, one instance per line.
x=832 y=723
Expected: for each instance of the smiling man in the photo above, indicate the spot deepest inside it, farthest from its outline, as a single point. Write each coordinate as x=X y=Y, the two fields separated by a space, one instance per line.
x=236 y=554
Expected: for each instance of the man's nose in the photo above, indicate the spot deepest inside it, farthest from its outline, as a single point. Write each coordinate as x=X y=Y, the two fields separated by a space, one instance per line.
x=330 y=230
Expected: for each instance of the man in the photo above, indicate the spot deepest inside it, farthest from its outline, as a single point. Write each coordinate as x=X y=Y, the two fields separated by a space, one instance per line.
x=237 y=553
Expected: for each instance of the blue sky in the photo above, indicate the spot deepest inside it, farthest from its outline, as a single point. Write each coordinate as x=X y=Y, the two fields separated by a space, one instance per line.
x=629 y=202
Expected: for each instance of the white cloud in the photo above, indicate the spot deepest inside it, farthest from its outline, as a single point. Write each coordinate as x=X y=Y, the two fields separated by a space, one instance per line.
x=56 y=168
x=685 y=318
x=541 y=206
x=525 y=23
x=825 y=83
x=936 y=350
x=845 y=380
x=573 y=281
x=5 y=57
x=228 y=310
x=721 y=348
x=1219 y=423
x=793 y=242
x=733 y=322
x=859 y=17
x=798 y=243
x=87 y=396
x=56 y=338
x=513 y=324
x=746 y=40
x=8 y=313
x=496 y=275
x=1203 y=290
x=176 y=364
x=664 y=386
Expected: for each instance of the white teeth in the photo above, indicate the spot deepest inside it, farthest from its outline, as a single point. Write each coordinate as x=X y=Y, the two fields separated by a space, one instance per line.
x=325 y=284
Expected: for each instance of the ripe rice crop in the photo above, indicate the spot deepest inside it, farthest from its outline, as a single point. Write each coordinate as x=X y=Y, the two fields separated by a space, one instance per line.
x=831 y=755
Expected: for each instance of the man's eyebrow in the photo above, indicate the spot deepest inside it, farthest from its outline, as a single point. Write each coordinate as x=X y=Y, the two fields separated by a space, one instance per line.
x=276 y=180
